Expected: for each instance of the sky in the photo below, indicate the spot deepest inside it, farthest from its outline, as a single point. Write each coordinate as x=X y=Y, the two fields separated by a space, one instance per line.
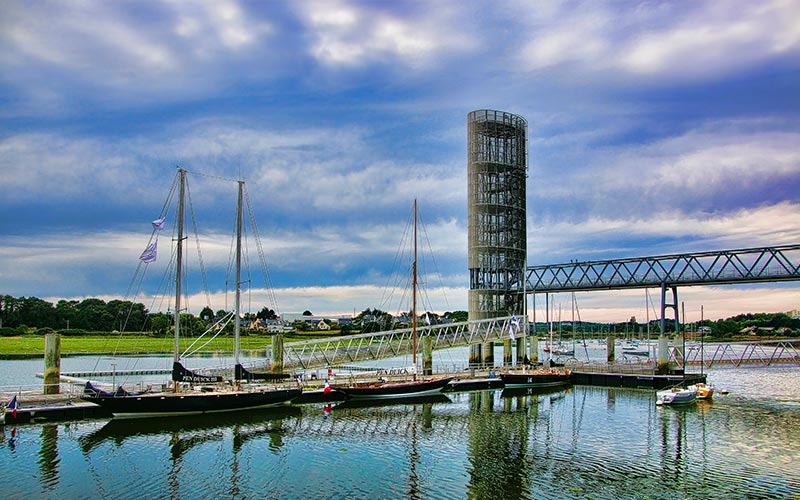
x=654 y=127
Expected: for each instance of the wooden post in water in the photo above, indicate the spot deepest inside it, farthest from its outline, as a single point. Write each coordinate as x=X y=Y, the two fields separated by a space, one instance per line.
x=427 y=355
x=277 y=353
x=610 y=349
x=52 y=363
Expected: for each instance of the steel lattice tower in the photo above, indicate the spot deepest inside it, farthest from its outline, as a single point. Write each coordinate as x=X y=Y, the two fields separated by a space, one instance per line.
x=497 y=172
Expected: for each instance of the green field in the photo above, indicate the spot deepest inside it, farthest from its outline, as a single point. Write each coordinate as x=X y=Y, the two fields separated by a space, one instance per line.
x=26 y=346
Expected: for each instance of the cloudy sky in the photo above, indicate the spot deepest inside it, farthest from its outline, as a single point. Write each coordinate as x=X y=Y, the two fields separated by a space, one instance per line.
x=654 y=128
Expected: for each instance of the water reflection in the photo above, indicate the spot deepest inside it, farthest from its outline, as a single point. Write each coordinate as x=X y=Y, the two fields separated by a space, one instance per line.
x=186 y=432
x=579 y=442
x=48 y=456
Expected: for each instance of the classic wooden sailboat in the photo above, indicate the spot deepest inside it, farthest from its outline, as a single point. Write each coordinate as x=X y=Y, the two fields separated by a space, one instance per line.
x=536 y=378
x=184 y=398
x=390 y=389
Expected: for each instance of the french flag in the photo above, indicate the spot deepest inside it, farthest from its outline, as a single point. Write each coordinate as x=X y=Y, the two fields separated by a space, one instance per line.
x=12 y=407
x=325 y=390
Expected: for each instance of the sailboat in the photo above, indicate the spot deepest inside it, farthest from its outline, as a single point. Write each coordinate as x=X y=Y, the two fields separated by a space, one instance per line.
x=390 y=389
x=185 y=398
x=537 y=378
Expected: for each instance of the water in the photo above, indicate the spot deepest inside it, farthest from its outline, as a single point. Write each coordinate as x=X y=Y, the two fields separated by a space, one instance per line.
x=584 y=442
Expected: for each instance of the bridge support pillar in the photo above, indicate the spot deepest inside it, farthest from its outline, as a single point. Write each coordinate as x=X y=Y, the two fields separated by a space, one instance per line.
x=508 y=353
x=663 y=355
x=610 y=346
x=534 y=347
x=277 y=353
x=488 y=355
x=475 y=355
x=521 y=354
x=427 y=355
x=52 y=363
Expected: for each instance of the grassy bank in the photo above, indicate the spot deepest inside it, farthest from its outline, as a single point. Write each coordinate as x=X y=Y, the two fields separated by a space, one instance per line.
x=13 y=347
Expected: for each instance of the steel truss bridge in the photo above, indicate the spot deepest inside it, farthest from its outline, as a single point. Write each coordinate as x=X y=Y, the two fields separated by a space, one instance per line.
x=749 y=265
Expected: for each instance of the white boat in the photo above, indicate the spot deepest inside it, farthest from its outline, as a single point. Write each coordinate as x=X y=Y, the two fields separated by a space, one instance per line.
x=675 y=396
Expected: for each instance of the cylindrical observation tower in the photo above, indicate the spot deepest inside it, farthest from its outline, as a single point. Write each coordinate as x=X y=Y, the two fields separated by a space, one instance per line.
x=497 y=171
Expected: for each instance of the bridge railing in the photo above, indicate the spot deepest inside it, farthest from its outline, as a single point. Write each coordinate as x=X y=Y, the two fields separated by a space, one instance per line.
x=335 y=351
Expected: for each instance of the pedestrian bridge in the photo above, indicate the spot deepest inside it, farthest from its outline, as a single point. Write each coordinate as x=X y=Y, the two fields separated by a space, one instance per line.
x=336 y=351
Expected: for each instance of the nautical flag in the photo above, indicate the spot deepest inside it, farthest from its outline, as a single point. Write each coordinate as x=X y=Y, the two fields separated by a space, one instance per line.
x=327 y=388
x=158 y=224
x=514 y=325
x=149 y=254
x=12 y=407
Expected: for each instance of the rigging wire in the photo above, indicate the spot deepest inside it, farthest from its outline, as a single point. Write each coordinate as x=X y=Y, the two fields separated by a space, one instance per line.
x=260 y=250
x=437 y=273
x=199 y=251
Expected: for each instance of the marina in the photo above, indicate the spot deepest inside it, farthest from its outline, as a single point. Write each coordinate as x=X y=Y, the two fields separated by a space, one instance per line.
x=567 y=442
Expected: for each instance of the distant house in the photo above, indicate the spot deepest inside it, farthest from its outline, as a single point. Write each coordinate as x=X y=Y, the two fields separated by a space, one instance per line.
x=321 y=322
x=750 y=330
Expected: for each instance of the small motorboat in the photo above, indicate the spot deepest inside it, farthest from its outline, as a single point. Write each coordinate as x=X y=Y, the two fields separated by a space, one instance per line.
x=702 y=390
x=675 y=396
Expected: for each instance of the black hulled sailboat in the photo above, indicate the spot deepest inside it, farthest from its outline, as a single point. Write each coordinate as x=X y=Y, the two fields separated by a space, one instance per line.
x=185 y=397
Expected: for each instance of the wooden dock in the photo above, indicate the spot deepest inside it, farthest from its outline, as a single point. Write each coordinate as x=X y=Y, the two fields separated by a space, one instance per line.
x=37 y=407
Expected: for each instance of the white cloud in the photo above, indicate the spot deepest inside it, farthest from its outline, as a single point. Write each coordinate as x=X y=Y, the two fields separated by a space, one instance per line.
x=675 y=41
x=348 y=34
x=57 y=167
x=715 y=39
x=597 y=237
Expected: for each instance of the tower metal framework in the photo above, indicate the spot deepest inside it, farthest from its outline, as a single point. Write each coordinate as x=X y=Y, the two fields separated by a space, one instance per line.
x=497 y=172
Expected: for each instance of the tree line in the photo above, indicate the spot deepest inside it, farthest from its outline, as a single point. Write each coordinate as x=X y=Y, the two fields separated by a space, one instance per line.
x=19 y=315
x=772 y=324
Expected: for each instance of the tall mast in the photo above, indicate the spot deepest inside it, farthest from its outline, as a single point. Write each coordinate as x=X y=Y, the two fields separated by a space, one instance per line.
x=237 y=304
x=179 y=262
x=414 y=290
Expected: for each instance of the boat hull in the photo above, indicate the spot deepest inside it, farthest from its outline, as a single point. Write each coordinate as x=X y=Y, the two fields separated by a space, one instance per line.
x=543 y=379
x=675 y=397
x=393 y=390
x=702 y=391
x=165 y=404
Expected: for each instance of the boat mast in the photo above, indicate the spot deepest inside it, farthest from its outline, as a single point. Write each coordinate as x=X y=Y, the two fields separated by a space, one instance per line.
x=237 y=303
x=414 y=293
x=179 y=262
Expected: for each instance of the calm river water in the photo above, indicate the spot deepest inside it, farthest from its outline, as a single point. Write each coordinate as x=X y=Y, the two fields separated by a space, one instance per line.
x=583 y=442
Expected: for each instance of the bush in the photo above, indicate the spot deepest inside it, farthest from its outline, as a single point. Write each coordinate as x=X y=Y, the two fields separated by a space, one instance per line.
x=72 y=332
x=9 y=332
